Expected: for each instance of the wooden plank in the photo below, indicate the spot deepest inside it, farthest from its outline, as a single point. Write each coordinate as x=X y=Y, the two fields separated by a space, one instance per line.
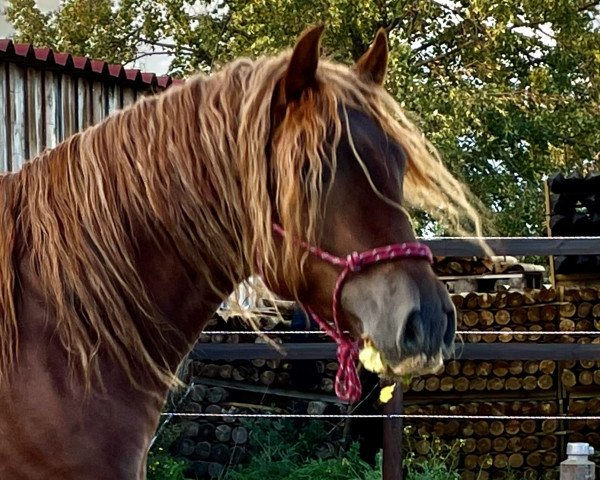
x=465 y=247
x=468 y=351
x=392 y=437
x=250 y=351
x=113 y=99
x=4 y=119
x=84 y=104
x=549 y=230
x=18 y=116
x=35 y=101
x=528 y=351
x=69 y=106
x=98 y=102
x=281 y=392
x=491 y=276
x=128 y=96
x=426 y=398
x=52 y=120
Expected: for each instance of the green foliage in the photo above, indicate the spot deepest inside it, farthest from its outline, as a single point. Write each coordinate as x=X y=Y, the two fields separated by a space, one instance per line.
x=279 y=450
x=440 y=462
x=79 y=27
x=161 y=464
x=508 y=90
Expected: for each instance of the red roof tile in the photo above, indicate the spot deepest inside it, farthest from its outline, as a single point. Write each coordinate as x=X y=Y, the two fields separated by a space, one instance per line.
x=81 y=63
x=115 y=70
x=45 y=57
x=43 y=54
x=98 y=66
x=63 y=59
x=148 y=77
x=133 y=74
x=23 y=49
x=6 y=45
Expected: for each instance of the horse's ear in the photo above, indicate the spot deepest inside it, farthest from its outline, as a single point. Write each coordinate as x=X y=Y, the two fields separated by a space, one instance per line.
x=372 y=66
x=302 y=68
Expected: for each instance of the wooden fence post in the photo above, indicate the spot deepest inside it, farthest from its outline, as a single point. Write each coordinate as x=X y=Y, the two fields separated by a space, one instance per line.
x=577 y=466
x=392 y=437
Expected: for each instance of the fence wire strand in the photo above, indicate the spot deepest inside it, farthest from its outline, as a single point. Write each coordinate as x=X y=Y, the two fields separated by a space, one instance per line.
x=383 y=416
x=458 y=332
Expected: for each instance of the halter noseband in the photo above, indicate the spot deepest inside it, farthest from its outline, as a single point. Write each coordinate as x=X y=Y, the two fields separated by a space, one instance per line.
x=347 y=382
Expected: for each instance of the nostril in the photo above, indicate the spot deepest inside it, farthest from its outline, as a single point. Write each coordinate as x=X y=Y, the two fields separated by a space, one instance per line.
x=450 y=328
x=412 y=338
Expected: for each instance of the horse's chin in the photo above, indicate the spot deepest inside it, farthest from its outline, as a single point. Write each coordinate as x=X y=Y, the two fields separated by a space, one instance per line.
x=417 y=365
x=414 y=365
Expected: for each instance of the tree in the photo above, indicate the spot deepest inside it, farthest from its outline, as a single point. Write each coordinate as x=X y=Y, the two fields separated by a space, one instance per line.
x=507 y=90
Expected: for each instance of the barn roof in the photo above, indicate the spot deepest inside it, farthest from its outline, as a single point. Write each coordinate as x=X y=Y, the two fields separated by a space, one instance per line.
x=46 y=58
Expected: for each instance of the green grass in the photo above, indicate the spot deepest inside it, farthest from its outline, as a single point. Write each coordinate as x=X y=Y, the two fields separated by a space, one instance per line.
x=161 y=464
x=278 y=449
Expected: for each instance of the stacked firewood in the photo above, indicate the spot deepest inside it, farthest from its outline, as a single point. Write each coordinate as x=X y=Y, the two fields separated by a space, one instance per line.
x=533 y=310
x=211 y=443
x=462 y=266
x=273 y=326
x=315 y=376
x=577 y=375
x=528 y=311
x=521 y=444
x=248 y=386
x=456 y=266
x=488 y=446
x=584 y=430
x=460 y=376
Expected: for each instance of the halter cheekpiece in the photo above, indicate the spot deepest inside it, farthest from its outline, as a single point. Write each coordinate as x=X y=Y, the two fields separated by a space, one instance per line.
x=347 y=382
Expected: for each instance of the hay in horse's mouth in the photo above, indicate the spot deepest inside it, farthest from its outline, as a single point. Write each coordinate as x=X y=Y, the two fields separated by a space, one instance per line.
x=421 y=364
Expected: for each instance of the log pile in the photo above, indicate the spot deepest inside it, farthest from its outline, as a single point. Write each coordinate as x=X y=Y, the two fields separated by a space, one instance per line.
x=456 y=266
x=541 y=387
x=316 y=376
x=462 y=266
x=498 y=376
x=249 y=386
x=489 y=446
x=211 y=444
x=528 y=311
x=584 y=430
x=472 y=274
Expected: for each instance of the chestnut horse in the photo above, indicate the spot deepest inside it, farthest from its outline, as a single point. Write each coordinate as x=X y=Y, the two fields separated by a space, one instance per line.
x=119 y=244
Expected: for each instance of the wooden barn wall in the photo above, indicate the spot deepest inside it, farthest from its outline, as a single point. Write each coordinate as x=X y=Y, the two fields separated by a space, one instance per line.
x=40 y=108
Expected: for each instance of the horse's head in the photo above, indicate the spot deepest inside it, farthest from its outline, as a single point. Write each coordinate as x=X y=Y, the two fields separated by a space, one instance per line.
x=357 y=176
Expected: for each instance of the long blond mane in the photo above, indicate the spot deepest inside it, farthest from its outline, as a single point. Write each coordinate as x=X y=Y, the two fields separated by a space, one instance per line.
x=188 y=167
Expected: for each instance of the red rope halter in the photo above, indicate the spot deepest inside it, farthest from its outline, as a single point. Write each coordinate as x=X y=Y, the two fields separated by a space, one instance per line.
x=347 y=382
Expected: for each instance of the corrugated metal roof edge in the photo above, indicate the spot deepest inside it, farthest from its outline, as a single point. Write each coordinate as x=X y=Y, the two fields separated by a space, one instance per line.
x=99 y=69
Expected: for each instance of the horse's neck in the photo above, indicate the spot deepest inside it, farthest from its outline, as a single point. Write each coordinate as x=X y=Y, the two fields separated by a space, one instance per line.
x=184 y=297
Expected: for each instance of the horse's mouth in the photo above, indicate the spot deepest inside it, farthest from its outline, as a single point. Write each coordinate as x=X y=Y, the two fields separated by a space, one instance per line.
x=421 y=364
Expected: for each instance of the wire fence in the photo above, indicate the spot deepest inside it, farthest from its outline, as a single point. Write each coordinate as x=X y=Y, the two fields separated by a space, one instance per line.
x=382 y=416
x=461 y=332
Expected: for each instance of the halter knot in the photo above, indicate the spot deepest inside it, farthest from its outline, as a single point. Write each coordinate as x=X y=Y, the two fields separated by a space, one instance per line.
x=354 y=262
x=347 y=381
